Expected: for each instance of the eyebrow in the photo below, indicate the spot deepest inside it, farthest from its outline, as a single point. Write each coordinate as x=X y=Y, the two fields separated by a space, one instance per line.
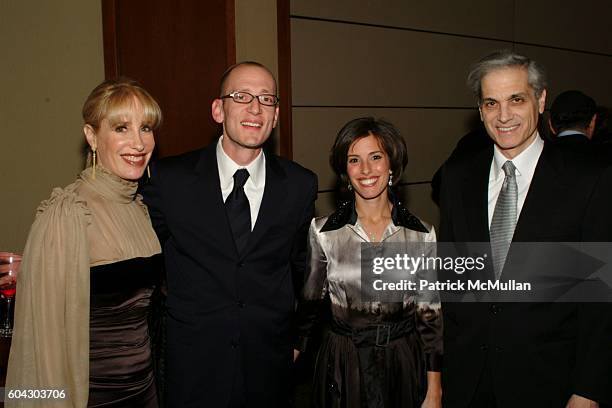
x=264 y=91
x=119 y=121
x=518 y=95
x=356 y=155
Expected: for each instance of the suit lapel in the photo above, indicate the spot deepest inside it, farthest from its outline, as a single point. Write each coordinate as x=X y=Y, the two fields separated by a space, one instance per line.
x=274 y=195
x=545 y=182
x=210 y=200
x=475 y=196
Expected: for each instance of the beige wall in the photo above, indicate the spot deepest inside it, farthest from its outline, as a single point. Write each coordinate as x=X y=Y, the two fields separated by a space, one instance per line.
x=51 y=58
x=256 y=37
x=406 y=61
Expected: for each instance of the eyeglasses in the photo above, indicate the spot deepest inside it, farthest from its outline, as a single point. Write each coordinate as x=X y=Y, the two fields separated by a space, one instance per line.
x=245 y=97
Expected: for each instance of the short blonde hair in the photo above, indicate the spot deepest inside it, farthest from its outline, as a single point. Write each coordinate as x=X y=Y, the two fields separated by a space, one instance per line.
x=112 y=98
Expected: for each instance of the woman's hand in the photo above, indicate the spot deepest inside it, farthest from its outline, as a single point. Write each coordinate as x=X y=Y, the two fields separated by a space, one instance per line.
x=432 y=402
x=576 y=401
x=433 y=398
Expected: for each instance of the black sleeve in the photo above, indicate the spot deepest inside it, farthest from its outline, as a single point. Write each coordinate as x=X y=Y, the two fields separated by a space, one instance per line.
x=152 y=196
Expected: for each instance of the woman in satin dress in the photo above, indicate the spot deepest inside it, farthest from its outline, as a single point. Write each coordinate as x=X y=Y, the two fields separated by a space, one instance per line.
x=87 y=275
x=377 y=352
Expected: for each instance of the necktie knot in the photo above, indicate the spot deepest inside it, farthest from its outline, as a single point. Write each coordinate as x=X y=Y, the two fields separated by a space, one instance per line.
x=509 y=168
x=240 y=178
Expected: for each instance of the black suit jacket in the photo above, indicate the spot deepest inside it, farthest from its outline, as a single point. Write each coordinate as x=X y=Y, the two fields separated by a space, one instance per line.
x=538 y=353
x=228 y=312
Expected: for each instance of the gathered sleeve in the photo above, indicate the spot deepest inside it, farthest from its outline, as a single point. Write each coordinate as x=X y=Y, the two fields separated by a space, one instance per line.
x=315 y=288
x=429 y=312
x=50 y=346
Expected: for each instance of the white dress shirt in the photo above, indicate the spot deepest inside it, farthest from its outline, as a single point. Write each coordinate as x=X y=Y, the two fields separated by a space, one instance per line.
x=525 y=163
x=255 y=184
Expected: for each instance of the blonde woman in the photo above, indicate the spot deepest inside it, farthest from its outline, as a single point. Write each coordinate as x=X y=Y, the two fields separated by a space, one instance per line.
x=86 y=279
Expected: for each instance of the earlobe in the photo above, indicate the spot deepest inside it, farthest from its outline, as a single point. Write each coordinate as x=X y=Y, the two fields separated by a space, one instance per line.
x=90 y=136
x=217 y=111
x=542 y=101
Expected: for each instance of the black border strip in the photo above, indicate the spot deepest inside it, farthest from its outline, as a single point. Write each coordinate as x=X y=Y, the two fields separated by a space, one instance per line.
x=416 y=30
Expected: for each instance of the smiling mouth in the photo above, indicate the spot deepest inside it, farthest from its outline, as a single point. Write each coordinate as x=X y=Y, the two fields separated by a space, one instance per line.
x=134 y=160
x=369 y=182
x=507 y=129
x=251 y=124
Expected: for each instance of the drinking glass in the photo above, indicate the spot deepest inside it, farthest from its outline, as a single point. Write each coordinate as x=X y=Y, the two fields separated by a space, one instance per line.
x=9 y=267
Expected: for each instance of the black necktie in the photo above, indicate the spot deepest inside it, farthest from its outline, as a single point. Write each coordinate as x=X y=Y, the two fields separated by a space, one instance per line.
x=239 y=210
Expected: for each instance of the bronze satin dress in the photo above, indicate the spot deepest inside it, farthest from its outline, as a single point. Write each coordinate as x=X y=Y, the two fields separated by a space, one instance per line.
x=352 y=370
x=120 y=363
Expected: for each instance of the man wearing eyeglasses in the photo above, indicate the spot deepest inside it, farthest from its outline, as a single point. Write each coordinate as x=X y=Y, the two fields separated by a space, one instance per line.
x=233 y=222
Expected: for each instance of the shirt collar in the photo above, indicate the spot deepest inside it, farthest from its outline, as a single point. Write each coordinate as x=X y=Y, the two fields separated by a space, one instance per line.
x=570 y=132
x=347 y=215
x=525 y=162
x=227 y=167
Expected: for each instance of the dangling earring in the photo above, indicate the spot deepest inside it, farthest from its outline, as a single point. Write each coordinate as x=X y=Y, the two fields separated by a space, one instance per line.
x=390 y=178
x=148 y=171
x=93 y=164
x=349 y=186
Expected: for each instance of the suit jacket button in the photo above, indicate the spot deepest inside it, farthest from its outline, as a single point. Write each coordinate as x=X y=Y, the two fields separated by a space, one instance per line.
x=234 y=343
x=483 y=347
x=240 y=304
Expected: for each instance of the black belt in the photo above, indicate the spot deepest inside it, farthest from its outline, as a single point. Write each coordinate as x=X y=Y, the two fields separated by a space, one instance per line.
x=371 y=343
x=379 y=335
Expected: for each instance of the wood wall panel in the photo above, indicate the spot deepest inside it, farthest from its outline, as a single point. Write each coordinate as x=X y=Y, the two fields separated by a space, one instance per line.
x=407 y=61
x=429 y=139
x=348 y=65
x=178 y=51
x=583 y=25
x=480 y=18
x=589 y=73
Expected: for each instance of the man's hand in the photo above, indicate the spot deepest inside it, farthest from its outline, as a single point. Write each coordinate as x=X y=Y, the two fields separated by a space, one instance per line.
x=576 y=401
x=296 y=354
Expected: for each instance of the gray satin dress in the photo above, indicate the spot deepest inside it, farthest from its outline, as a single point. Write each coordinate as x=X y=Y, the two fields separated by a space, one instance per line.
x=375 y=353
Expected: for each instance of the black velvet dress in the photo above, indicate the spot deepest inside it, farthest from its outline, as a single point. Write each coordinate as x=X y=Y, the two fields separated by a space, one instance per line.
x=121 y=367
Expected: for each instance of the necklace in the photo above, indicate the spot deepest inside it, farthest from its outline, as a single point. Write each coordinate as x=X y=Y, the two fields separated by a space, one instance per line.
x=371 y=235
x=383 y=218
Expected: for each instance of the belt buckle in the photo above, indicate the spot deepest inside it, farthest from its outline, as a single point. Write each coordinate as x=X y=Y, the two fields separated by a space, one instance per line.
x=381 y=335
